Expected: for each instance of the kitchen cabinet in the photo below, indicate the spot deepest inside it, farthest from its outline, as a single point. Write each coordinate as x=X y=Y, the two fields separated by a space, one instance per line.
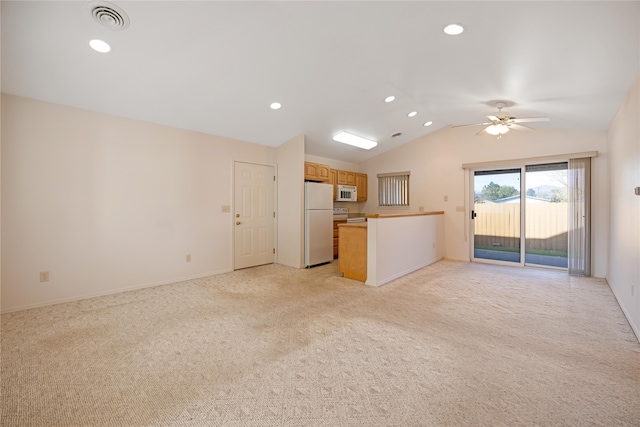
x=346 y=178
x=336 y=237
x=323 y=173
x=361 y=185
x=333 y=180
x=353 y=251
x=316 y=172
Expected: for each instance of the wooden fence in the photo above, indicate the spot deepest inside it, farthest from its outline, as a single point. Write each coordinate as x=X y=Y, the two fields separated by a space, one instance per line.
x=498 y=225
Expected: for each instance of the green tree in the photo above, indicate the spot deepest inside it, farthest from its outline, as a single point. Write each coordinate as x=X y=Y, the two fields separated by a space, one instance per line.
x=493 y=191
x=531 y=192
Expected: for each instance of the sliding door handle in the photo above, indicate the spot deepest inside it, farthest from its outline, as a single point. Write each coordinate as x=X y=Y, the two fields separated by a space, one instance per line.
x=473 y=215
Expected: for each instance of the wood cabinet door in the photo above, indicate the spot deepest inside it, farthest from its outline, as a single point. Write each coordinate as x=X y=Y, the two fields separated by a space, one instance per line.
x=333 y=180
x=336 y=237
x=361 y=185
x=346 y=178
x=316 y=172
x=310 y=171
x=323 y=172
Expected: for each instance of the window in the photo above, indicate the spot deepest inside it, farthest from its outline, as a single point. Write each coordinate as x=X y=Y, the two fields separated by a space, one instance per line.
x=393 y=189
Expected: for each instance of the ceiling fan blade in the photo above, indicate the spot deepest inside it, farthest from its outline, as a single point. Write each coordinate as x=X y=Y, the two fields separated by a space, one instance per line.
x=520 y=127
x=472 y=124
x=483 y=129
x=531 y=119
x=493 y=118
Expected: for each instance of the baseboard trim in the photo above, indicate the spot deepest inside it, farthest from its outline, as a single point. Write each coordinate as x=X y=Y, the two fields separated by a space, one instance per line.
x=635 y=329
x=111 y=292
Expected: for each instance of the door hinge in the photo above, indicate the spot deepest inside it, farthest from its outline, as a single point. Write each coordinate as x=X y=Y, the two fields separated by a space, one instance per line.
x=274 y=214
x=274 y=177
x=274 y=250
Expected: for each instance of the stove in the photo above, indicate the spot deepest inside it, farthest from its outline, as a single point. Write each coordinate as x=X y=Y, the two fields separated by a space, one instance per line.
x=340 y=213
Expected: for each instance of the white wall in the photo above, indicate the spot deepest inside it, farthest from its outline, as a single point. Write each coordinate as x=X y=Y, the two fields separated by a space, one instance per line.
x=291 y=202
x=106 y=204
x=435 y=162
x=624 y=254
x=396 y=246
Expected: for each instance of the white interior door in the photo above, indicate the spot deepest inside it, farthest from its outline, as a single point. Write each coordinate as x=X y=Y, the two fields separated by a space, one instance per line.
x=254 y=215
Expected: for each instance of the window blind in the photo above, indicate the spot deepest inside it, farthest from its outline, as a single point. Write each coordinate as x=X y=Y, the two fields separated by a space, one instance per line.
x=393 y=189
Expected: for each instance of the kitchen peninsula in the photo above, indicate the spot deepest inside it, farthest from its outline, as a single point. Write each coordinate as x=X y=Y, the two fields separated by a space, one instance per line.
x=391 y=245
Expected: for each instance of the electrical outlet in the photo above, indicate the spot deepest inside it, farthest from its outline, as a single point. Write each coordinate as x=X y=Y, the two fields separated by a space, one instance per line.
x=44 y=276
x=188 y=258
x=459 y=208
x=434 y=245
x=633 y=288
x=446 y=198
x=420 y=208
x=225 y=208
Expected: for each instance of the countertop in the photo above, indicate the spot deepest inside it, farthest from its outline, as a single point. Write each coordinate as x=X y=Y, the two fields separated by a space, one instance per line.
x=353 y=224
x=400 y=214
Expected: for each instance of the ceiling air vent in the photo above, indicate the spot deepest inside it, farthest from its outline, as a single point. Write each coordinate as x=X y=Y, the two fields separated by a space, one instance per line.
x=109 y=16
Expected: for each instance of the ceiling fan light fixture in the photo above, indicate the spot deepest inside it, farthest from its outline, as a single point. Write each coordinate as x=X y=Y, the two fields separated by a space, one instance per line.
x=356 y=141
x=497 y=129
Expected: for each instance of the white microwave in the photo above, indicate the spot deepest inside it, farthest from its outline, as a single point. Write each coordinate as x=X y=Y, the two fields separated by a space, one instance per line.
x=346 y=193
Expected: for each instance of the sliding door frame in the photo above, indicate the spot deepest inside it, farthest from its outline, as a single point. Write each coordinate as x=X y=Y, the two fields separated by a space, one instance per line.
x=471 y=220
x=523 y=216
x=470 y=168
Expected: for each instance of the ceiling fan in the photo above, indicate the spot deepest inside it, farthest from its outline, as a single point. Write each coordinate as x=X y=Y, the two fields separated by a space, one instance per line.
x=501 y=122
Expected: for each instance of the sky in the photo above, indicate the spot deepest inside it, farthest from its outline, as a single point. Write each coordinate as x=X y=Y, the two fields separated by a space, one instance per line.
x=533 y=179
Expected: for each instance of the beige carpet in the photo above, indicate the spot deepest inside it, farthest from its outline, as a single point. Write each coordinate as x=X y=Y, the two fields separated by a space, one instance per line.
x=454 y=344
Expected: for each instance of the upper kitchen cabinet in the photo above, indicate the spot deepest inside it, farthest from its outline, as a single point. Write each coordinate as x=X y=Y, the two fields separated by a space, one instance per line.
x=361 y=185
x=346 y=178
x=316 y=172
x=333 y=180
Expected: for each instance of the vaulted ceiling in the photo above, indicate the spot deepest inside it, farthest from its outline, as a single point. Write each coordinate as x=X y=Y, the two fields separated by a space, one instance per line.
x=215 y=67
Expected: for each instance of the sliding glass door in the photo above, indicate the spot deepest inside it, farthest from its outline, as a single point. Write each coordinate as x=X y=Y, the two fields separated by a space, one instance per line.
x=496 y=215
x=520 y=215
x=546 y=215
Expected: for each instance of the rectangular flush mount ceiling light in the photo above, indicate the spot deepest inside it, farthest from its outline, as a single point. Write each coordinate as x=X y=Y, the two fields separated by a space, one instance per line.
x=357 y=141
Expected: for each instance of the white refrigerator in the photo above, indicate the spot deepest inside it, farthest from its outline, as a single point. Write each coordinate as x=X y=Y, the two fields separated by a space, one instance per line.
x=318 y=223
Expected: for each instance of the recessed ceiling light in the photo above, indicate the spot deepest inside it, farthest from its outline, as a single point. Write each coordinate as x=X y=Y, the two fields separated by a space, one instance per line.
x=275 y=106
x=389 y=98
x=412 y=114
x=454 y=29
x=99 y=46
x=429 y=123
x=356 y=141
x=396 y=134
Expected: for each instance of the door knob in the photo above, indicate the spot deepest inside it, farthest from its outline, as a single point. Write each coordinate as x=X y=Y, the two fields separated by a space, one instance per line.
x=237 y=215
x=238 y=223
